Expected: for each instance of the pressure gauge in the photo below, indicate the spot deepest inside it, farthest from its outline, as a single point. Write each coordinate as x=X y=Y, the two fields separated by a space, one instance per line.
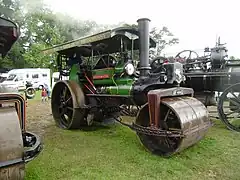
x=129 y=68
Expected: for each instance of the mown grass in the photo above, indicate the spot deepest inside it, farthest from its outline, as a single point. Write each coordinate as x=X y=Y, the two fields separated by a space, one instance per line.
x=115 y=152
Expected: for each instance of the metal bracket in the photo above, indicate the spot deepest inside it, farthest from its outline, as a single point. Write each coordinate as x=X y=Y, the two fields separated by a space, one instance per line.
x=154 y=100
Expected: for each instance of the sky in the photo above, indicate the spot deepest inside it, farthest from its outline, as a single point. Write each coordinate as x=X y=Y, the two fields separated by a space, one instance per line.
x=196 y=23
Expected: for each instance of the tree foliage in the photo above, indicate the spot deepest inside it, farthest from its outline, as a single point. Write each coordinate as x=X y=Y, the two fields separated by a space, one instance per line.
x=163 y=37
x=234 y=58
x=41 y=28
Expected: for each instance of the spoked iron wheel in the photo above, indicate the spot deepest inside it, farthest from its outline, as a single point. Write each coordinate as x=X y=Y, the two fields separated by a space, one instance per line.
x=189 y=52
x=229 y=107
x=30 y=92
x=67 y=102
x=193 y=119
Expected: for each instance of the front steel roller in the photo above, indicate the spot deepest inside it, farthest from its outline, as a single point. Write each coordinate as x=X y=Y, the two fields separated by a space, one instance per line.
x=17 y=146
x=182 y=114
x=11 y=145
x=67 y=102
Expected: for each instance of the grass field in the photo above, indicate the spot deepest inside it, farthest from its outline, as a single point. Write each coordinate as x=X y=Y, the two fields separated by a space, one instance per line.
x=116 y=153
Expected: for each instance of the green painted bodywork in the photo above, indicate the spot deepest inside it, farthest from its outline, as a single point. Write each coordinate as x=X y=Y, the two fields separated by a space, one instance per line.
x=114 y=86
x=73 y=73
x=120 y=89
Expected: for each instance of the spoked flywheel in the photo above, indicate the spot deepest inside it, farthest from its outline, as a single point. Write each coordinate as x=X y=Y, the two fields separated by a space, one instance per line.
x=67 y=102
x=229 y=107
x=186 y=115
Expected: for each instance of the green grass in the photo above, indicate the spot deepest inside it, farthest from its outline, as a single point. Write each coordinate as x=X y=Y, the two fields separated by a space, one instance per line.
x=37 y=96
x=116 y=153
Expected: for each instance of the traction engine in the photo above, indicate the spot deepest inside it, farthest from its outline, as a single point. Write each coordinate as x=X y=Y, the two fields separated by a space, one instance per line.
x=212 y=75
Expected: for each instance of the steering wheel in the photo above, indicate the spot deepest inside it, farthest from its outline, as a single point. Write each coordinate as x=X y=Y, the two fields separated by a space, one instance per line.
x=110 y=61
x=156 y=63
x=184 y=59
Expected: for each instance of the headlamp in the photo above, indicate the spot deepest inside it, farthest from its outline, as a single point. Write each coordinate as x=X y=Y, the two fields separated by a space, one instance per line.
x=129 y=68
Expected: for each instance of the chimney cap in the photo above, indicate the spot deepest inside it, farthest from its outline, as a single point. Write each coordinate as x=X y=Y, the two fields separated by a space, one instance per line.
x=143 y=19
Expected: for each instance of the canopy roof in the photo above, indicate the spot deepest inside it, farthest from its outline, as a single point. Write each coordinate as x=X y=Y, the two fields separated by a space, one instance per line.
x=9 y=34
x=102 y=43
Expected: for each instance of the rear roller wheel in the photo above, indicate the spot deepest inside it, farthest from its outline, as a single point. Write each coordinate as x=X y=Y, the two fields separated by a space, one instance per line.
x=229 y=107
x=67 y=102
x=174 y=117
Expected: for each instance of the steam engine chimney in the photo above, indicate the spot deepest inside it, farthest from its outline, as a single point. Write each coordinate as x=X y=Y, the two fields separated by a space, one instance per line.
x=143 y=27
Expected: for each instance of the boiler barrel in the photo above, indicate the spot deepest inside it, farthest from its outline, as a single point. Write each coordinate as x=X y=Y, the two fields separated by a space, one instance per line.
x=234 y=72
x=213 y=81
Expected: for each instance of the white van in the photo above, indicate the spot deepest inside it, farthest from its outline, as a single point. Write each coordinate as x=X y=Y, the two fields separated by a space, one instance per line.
x=55 y=78
x=3 y=77
x=19 y=77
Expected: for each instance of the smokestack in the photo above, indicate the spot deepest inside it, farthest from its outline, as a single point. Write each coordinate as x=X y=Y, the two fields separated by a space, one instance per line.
x=143 y=28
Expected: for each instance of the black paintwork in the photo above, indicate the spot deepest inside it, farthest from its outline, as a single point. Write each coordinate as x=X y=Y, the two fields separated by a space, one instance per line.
x=9 y=34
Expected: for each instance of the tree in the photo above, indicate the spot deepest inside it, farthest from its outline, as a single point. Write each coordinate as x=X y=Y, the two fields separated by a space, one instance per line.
x=71 y=28
x=233 y=58
x=40 y=28
x=163 y=38
x=11 y=9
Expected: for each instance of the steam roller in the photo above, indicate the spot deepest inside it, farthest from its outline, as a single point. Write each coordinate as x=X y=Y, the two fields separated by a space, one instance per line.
x=101 y=87
x=17 y=146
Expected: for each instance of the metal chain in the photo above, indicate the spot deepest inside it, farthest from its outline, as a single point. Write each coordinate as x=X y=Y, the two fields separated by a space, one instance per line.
x=155 y=131
x=151 y=131
x=125 y=111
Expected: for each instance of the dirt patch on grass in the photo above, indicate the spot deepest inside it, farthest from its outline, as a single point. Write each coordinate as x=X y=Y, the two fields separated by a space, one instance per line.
x=39 y=117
